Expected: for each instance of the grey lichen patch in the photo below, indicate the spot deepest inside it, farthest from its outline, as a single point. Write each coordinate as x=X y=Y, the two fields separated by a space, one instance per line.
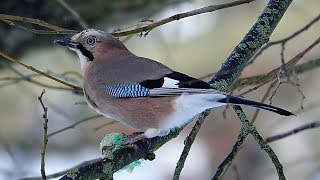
x=236 y=55
x=73 y=171
x=241 y=115
x=242 y=46
x=265 y=147
x=253 y=44
x=111 y=140
x=275 y=11
x=221 y=85
x=72 y=176
x=268 y=10
x=263 y=28
x=108 y=168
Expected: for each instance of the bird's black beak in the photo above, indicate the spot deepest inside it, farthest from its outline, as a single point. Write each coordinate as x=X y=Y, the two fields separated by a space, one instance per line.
x=66 y=41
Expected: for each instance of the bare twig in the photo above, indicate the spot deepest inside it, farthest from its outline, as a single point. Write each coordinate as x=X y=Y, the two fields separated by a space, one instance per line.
x=28 y=78
x=73 y=125
x=75 y=88
x=274 y=74
x=235 y=149
x=53 y=29
x=104 y=125
x=311 y=125
x=236 y=172
x=74 y=13
x=45 y=135
x=179 y=16
x=188 y=143
x=55 y=175
x=264 y=98
x=284 y=40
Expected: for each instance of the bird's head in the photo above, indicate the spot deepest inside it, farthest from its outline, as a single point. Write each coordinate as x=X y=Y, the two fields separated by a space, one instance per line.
x=92 y=44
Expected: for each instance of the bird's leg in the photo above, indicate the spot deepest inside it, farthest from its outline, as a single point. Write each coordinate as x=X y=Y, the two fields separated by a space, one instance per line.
x=134 y=137
x=150 y=133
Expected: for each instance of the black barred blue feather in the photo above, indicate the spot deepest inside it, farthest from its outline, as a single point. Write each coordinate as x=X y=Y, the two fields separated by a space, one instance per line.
x=127 y=90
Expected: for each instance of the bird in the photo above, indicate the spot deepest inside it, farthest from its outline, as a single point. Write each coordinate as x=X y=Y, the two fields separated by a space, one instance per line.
x=140 y=92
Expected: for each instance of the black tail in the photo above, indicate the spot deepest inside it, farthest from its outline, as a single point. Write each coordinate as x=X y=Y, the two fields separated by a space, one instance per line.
x=240 y=101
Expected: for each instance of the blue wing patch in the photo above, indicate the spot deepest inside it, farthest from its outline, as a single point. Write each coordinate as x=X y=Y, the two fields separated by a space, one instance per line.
x=127 y=90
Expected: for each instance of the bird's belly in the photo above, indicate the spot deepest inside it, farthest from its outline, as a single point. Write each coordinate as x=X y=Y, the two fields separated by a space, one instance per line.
x=187 y=106
x=139 y=113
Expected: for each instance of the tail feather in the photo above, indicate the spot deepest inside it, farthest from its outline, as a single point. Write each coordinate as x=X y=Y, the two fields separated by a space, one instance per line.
x=240 y=101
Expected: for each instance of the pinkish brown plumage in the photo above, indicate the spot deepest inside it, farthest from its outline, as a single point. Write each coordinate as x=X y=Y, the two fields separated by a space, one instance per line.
x=140 y=92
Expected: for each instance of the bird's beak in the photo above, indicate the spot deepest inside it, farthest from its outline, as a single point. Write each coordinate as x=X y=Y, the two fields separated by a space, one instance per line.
x=66 y=41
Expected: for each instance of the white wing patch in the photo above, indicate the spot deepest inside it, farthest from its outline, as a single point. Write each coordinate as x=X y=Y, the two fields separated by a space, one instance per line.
x=170 y=83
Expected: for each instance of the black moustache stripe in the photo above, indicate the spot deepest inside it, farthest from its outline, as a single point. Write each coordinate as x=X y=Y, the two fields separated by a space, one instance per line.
x=85 y=52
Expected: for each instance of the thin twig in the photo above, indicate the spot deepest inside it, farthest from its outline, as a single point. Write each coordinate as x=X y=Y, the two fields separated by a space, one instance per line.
x=235 y=149
x=311 y=125
x=104 y=125
x=28 y=78
x=45 y=135
x=58 y=174
x=236 y=172
x=75 y=88
x=286 y=39
x=179 y=16
x=54 y=29
x=188 y=143
x=264 y=98
x=73 y=125
x=262 y=80
x=74 y=13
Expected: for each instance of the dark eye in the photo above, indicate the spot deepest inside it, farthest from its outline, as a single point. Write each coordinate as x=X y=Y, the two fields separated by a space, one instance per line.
x=91 y=40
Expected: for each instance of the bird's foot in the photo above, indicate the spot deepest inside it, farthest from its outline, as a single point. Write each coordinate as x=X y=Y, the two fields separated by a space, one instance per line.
x=133 y=138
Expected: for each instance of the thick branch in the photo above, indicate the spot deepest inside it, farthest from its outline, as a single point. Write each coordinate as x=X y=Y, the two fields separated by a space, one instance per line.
x=257 y=36
x=104 y=168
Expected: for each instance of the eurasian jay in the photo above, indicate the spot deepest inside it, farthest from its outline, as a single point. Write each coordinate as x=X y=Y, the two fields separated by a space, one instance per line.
x=140 y=92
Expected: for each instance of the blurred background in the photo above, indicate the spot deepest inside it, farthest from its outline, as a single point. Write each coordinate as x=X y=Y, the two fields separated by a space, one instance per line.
x=196 y=46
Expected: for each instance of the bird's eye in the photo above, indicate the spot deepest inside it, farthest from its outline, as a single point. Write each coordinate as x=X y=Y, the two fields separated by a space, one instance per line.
x=91 y=40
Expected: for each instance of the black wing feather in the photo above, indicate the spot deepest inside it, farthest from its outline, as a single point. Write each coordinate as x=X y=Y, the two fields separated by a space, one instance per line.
x=185 y=81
